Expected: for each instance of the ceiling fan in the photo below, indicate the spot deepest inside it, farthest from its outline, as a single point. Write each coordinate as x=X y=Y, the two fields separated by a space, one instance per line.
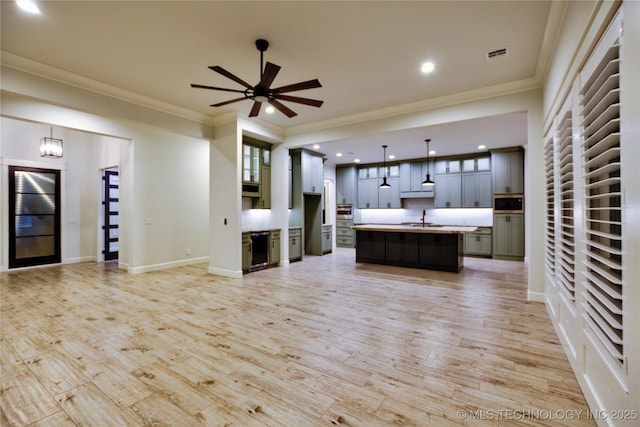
x=262 y=92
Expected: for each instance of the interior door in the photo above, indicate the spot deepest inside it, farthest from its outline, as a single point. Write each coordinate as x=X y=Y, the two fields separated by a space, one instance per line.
x=34 y=216
x=111 y=211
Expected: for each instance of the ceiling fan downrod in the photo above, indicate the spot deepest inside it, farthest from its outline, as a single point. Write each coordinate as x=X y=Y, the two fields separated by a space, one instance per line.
x=262 y=46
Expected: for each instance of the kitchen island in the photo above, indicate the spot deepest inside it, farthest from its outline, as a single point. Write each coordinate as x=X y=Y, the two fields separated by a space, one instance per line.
x=412 y=245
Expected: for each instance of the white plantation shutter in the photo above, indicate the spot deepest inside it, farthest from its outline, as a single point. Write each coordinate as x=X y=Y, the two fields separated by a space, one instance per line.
x=566 y=256
x=600 y=128
x=550 y=251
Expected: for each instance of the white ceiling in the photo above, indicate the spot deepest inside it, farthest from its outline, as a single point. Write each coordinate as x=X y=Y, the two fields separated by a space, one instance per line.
x=367 y=55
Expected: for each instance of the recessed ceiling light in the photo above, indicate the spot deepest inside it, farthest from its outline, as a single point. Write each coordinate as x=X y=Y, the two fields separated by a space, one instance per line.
x=269 y=110
x=28 y=6
x=427 y=67
x=481 y=147
x=392 y=156
x=338 y=154
x=356 y=160
x=432 y=152
x=316 y=146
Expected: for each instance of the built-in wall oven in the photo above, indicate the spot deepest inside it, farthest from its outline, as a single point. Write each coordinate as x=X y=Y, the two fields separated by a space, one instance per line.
x=344 y=211
x=508 y=203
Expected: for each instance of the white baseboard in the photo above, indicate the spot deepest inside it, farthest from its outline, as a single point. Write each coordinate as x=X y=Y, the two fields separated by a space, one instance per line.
x=225 y=272
x=536 y=296
x=79 y=259
x=166 y=265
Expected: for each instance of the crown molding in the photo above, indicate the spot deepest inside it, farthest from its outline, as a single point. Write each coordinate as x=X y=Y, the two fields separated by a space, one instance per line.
x=488 y=92
x=48 y=72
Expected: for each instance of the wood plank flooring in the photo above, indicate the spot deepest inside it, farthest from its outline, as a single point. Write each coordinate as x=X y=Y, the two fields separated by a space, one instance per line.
x=324 y=341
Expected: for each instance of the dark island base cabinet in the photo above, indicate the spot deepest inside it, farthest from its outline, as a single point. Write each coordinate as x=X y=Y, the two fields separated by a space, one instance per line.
x=432 y=251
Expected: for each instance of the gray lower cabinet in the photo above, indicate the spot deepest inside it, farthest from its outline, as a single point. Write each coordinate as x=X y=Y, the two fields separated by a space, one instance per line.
x=448 y=190
x=478 y=243
x=274 y=247
x=344 y=233
x=246 y=252
x=295 y=244
x=508 y=236
x=327 y=239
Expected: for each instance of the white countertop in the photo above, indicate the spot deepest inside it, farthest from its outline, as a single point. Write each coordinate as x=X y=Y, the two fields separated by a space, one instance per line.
x=417 y=228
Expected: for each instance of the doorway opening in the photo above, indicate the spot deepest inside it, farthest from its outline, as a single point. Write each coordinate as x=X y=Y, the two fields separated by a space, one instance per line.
x=111 y=208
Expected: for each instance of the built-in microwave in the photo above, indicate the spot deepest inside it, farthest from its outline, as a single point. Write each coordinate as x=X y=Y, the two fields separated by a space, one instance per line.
x=344 y=211
x=508 y=203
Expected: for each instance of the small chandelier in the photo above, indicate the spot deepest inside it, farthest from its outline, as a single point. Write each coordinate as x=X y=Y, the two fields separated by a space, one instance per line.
x=384 y=168
x=427 y=182
x=51 y=147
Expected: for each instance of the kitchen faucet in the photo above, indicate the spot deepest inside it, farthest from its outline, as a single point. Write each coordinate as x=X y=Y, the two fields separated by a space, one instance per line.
x=424 y=212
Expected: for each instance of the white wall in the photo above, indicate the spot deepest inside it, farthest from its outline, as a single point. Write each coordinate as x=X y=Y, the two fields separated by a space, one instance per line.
x=19 y=145
x=165 y=191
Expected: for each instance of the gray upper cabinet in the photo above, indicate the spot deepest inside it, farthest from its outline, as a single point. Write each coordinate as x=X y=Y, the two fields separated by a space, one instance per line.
x=389 y=197
x=346 y=185
x=368 y=193
x=508 y=172
x=448 y=190
x=476 y=190
x=312 y=173
x=448 y=166
x=411 y=176
x=476 y=164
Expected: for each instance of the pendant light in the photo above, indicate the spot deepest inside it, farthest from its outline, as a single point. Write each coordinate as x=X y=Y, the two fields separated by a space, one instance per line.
x=384 y=167
x=51 y=147
x=427 y=182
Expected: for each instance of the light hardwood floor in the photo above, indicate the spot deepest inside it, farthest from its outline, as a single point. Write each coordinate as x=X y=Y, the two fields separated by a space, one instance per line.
x=320 y=342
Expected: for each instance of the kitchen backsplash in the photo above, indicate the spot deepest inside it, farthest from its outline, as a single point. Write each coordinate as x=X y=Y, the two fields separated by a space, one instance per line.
x=412 y=212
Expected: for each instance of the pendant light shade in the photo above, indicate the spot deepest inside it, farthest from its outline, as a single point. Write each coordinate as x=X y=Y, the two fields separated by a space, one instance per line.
x=385 y=184
x=427 y=182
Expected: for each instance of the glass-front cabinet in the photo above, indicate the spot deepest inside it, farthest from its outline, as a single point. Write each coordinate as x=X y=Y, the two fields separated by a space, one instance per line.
x=250 y=163
x=256 y=173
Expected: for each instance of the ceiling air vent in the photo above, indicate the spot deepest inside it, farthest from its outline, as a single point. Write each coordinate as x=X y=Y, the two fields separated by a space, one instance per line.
x=498 y=53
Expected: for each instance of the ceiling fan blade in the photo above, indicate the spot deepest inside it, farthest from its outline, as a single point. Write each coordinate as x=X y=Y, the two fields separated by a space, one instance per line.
x=215 y=88
x=305 y=101
x=269 y=74
x=220 y=104
x=283 y=108
x=309 y=84
x=227 y=74
x=255 y=109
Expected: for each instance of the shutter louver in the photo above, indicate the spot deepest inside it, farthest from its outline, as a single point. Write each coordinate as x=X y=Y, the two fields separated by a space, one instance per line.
x=600 y=122
x=550 y=248
x=566 y=269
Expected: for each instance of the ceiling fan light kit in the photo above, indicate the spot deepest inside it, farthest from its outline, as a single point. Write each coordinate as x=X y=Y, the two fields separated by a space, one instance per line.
x=262 y=92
